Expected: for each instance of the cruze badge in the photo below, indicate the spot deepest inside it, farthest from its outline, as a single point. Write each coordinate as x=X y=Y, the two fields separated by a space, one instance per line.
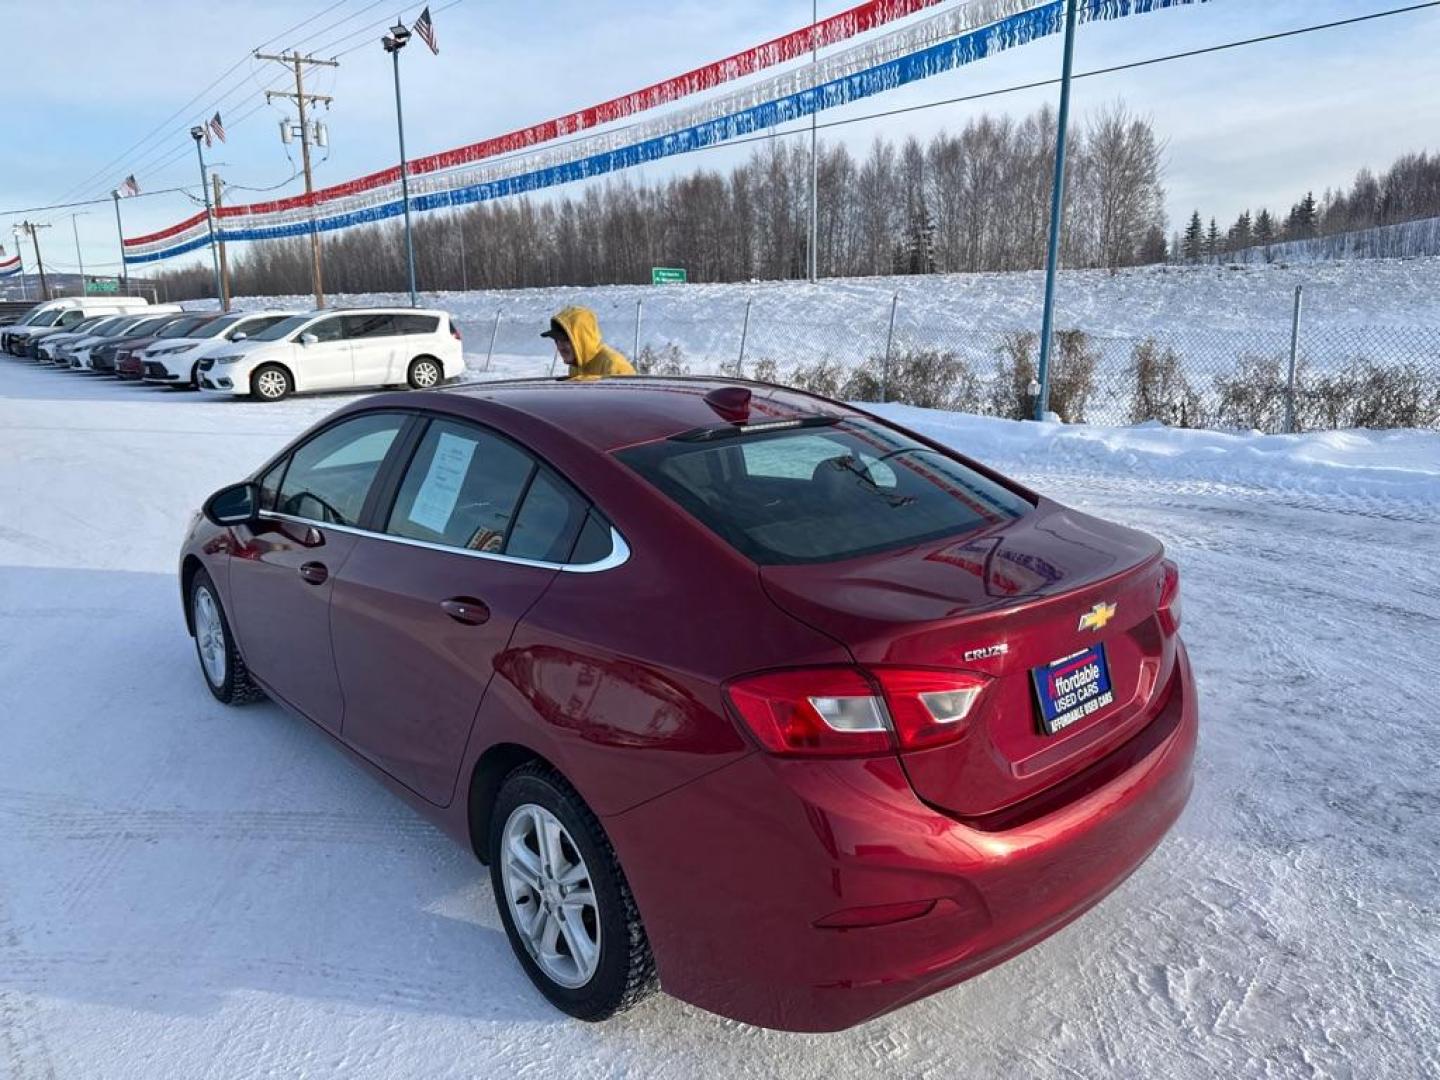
x=1097 y=617
x=987 y=653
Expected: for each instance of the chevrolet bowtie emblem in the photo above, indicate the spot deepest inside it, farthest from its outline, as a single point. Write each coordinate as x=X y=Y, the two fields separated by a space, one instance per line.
x=1097 y=617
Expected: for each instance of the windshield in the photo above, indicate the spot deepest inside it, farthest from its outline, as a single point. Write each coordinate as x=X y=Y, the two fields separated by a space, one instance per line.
x=217 y=326
x=282 y=328
x=47 y=318
x=147 y=326
x=86 y=325
x=118 y=327
x=182 y=327
x=821 y=494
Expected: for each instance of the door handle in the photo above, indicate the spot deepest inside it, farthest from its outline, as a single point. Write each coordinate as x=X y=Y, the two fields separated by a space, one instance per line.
x=314 y=572
x=467 y=610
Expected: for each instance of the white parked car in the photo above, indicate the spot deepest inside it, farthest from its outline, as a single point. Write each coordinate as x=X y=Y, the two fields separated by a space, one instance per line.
x=339 y=350
x=77 y=353
x=175 y=361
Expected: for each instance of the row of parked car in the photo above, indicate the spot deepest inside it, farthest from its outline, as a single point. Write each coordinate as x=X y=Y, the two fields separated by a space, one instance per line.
x=266 y=354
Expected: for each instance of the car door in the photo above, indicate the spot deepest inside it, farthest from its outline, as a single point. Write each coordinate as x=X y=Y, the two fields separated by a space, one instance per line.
x=282 y=573
x=420 y=615
x=373 y=338
x=326 y=363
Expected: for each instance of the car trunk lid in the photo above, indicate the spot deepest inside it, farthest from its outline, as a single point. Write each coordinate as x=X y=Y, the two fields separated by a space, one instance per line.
x=1024 y=603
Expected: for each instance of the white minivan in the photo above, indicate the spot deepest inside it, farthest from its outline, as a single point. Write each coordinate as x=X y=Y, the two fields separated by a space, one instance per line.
x=339 y=350
x=175 y=361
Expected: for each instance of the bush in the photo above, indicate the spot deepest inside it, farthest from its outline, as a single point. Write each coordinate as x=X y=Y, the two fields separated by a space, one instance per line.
x=1010 y=395
x=1370 y=395
x=1072 y=375
x=766 y=370
x=824 y=377
x=667 y=361
x=1254 y=396
x=1161 y=391
x=928 y=378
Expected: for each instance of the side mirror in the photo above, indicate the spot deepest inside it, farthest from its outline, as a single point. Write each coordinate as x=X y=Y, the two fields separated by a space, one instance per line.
x=239 y=335
x=238 y=504
x=308 y=339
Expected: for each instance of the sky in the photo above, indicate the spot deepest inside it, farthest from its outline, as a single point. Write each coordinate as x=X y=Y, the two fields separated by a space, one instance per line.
x=106 y=90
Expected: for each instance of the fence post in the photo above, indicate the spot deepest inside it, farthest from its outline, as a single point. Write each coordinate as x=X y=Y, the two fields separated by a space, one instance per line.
x=889 y=341
x=639 y=310
x=1294 y=360
x=744 y=333
x=494 y=330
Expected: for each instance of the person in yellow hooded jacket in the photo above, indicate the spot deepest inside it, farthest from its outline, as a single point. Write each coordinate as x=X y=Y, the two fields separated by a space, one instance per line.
x=576 y=333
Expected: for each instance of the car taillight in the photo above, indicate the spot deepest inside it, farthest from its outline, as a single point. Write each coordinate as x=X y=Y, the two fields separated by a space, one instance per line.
x=847 y=712
x=1169 y=606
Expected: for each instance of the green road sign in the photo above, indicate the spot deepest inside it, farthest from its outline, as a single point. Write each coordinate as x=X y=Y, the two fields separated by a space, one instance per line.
x=667 y=275
x=102 y=285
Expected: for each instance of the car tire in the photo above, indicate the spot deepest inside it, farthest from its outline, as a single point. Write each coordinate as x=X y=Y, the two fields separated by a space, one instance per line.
x=195 y=376
x=425 y=373
x=620 y=972
x=220 y=661
x=271 y=382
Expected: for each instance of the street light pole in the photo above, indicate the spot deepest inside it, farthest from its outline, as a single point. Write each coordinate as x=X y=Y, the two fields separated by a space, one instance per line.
x=1057 y=216
x=394 y=42
x=198 y=133
x=120 y=234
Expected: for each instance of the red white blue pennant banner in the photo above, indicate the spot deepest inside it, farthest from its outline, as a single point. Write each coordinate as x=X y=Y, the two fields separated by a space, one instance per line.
x=923 y=50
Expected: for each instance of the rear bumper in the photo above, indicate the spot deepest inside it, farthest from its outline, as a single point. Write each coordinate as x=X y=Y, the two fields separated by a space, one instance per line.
x=733 y=871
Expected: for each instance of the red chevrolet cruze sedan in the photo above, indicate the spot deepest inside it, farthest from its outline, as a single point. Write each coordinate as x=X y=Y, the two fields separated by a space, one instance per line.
x=739 y=692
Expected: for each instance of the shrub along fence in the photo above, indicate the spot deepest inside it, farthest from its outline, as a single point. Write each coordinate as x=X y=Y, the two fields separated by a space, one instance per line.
x=1283 y=376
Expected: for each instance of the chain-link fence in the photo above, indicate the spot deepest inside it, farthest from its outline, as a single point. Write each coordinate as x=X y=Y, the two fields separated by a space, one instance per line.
x=1285 y=375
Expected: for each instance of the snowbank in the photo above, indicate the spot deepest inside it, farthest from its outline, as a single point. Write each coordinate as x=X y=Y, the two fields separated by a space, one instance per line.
x=1381 y=465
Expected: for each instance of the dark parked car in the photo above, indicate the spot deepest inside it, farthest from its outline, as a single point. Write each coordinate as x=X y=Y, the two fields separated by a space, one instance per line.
x=128 y=364
x=103 y=356
x=735 y=688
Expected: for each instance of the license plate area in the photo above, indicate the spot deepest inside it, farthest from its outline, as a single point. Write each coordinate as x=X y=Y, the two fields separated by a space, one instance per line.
x=1072 y=688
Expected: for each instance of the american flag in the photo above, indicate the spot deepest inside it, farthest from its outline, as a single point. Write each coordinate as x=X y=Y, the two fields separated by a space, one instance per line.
x=131 y=186
x=426 y=29
x=217 y=127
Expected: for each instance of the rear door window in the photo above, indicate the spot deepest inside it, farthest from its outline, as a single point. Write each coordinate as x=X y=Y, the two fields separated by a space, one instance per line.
x=415 y=324
x=329 y=478
x=824 y=494
x=469 y=488
x=368 y=326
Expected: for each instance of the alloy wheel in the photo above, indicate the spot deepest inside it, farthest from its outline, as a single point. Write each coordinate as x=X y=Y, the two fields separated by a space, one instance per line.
x=426 y=374
x=270 y=384
x=210 y=636
x=550 y=895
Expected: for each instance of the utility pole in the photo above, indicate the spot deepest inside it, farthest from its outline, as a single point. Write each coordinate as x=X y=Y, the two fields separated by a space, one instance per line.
x=20 y=254
x=30 y=227
x=79 y=259
x=224 y=267
x=302 y=99
x=198 y=134
x=120 y=234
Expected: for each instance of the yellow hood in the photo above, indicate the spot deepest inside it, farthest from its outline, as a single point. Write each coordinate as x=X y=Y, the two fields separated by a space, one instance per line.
x=583 y=329
x=593 y=358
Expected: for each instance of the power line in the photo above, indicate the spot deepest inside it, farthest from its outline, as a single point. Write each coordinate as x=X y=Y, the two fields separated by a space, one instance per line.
x=164 y=124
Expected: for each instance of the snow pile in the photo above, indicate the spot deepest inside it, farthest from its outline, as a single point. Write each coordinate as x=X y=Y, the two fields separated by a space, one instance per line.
x=1401 y=466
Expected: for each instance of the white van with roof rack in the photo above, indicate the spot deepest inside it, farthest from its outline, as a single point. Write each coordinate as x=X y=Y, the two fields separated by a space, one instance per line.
x=52 y=316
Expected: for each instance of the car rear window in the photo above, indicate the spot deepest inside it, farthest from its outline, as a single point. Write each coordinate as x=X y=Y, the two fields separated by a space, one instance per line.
x=823 y=494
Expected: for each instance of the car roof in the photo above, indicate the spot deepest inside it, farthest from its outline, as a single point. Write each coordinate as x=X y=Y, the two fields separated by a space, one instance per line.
x=608 y=414
x=378 y=310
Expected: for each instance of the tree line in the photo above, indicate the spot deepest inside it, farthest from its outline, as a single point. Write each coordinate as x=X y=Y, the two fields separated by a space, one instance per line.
x=1408 y=191
x=973 y=200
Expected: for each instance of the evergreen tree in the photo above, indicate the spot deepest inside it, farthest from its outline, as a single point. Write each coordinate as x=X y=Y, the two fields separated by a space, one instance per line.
x=1194 y=239
x=1212 y=240
x=1309 y=216
x=1265 y=229
x=1242 y=233
x=1153 y=248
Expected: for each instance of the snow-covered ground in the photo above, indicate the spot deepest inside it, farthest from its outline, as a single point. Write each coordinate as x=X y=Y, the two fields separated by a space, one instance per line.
x=193 y=891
